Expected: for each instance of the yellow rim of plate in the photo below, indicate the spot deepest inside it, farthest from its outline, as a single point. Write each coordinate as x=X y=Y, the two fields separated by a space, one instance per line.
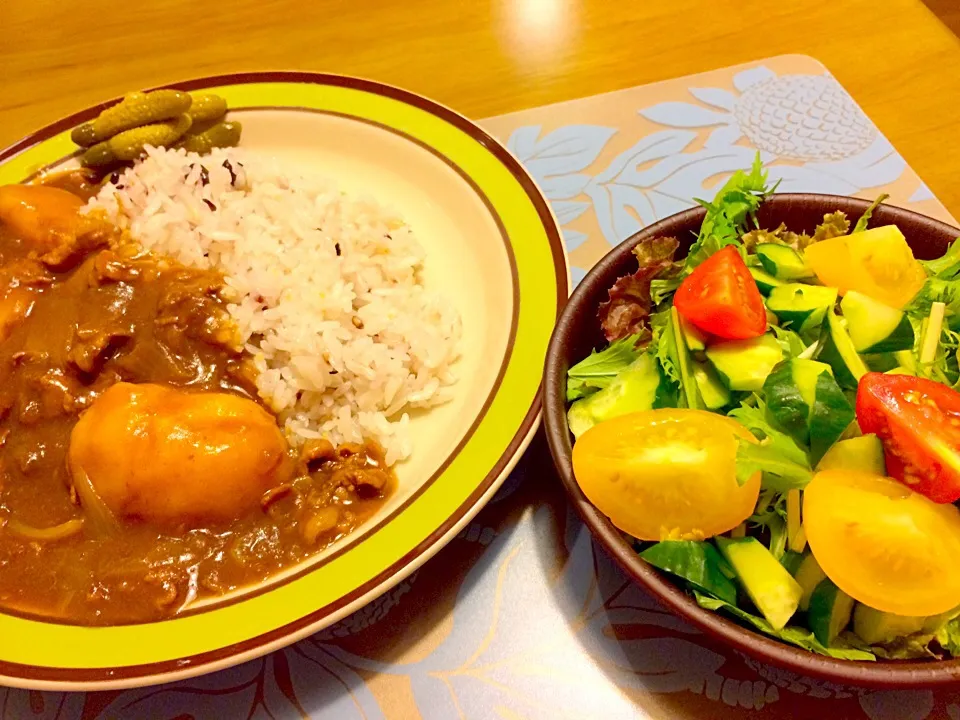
x=35 y=644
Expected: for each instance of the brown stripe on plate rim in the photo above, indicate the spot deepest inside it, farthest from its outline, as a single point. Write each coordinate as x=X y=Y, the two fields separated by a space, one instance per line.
x=88 y=675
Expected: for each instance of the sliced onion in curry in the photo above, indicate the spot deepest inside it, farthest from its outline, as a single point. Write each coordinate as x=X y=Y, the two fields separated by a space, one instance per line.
x=101 y=518
x=57 y=532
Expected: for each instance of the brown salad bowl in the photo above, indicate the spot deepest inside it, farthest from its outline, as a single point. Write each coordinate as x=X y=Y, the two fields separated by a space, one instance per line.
x=578 y=333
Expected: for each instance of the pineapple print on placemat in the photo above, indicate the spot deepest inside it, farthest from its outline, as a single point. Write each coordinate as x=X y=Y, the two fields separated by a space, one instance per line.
x=803 y=117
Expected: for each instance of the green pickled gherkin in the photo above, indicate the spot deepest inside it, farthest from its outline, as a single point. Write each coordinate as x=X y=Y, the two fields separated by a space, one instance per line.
x=129 y=144
x=225 y=134
x=206 y=107
x=135 y=110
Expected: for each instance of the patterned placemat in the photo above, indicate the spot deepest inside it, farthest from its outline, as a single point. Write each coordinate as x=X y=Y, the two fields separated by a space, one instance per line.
x=522 y=616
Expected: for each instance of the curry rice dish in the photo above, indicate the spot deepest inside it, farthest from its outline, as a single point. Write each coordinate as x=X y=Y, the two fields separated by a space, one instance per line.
x=206 y=363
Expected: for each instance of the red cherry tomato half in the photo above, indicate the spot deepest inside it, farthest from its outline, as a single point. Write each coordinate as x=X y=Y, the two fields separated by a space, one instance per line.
x=919 y=423
x=721 y=298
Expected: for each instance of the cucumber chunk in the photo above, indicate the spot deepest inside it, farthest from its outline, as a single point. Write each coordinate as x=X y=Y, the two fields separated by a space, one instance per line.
x=874 y=626
x=838 y=351
x=640 y=386
x=829 y=612
x=862 y=454
x=802 y=307
x=783 y=262
x=808 y=576
x=745 y=364
x=875 y=327
x=765 y=281
x=771 y=588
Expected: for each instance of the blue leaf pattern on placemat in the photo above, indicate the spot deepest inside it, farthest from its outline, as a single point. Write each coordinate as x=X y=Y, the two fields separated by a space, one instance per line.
x=577 y=274
x=565 y=151
x=746 y=79
x=718 y=97
x=679 y=114
x=922 y=193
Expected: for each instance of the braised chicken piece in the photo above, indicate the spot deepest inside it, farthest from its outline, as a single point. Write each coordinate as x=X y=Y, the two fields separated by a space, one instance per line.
x=48 y=220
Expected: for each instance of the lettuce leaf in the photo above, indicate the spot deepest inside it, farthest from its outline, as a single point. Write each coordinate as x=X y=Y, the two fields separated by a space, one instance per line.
x=627 y=308
x=773 y=519
x=598 y=369
x=945 y=367
x=664 y=342
x=868 y=213
x=789 y=340
x=936 y=289
x=778 y=236
x=791 y=634
x=910 y=647
x=784 y=464
x=779 y=472
x=946 y=267
x=834 y=225
x=697 y=562
x=727 y=216
x=662 y=288
x=949 y=637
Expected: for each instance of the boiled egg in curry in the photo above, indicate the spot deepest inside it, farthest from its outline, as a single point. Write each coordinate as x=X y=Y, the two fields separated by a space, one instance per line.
x=172 y=457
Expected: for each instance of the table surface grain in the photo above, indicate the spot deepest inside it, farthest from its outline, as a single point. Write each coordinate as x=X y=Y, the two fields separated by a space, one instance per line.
x=485 y=57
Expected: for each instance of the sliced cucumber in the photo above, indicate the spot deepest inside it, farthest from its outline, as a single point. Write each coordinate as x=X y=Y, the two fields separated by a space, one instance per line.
x=696 y=340
x=832 y=413
x=874 y=626
x=640 y=386
x=765 y=281
x=862 y=454
x=791 y=392
x=771 y=588
x=808 y=576
x=713 y=392
x=829 y=612
x=745 y=364
x=875 y=327
x=802 y=307
x=785 y=401
x=807 y=403
x=836 y=349
x=783 y=262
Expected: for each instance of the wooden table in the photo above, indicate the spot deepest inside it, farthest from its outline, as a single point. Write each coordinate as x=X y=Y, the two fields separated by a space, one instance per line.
x=485 y=58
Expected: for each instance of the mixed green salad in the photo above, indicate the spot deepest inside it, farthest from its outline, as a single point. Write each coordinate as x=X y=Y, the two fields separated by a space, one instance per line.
x=775 y=420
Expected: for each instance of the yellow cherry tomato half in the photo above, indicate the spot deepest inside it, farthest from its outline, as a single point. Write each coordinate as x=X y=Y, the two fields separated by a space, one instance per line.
x=877 y=262
x=882 y=543
x=667 y=473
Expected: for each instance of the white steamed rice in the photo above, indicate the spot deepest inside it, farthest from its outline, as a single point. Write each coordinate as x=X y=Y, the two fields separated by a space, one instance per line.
x=326 y=288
